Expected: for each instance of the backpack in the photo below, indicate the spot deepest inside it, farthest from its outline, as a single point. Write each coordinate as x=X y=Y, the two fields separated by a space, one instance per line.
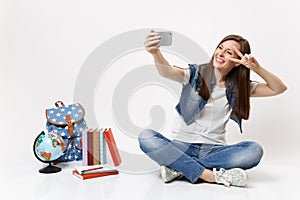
x=68 y=122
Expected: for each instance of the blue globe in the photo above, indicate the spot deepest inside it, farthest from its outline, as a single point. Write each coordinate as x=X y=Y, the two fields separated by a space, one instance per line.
x=47 y=148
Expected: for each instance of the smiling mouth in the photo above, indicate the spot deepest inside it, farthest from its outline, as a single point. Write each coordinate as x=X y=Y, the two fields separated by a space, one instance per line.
x=219 y=60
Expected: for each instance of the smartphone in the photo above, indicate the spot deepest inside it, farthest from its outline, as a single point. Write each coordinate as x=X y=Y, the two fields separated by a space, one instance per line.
x=165 y=38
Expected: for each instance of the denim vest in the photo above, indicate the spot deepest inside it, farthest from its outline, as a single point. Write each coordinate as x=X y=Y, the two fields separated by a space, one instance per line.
x=191 y=103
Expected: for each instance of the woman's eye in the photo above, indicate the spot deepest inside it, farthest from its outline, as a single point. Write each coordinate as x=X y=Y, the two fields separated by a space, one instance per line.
x=229 y=52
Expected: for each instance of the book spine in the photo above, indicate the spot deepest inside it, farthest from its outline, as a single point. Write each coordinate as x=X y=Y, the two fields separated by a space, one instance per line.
x=88 y=176
x=96 y=147
x=100 y=171
x=112 y=147
x=75 y=173
x=90 y=147
x=102 y=148
x=84 y=147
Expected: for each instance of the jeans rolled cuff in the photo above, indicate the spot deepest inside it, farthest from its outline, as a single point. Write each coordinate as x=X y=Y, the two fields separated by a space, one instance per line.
x=195 y=176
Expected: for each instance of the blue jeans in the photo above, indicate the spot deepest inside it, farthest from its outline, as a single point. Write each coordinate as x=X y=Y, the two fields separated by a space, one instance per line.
x=191 y=159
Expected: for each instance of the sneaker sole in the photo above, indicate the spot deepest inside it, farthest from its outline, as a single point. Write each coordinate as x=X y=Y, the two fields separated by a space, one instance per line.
x=244 y=180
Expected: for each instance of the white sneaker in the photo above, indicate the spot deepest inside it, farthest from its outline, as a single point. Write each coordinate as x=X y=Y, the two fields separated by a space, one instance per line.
x=168 y=174
x=234 y=177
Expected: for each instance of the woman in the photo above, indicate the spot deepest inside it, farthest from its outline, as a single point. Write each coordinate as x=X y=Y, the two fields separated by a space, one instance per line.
x=212 y=94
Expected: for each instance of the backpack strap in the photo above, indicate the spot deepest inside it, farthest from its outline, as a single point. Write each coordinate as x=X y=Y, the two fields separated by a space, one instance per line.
x=71 y=132
x=70 y=126
x=66 y=146
x=75 y=144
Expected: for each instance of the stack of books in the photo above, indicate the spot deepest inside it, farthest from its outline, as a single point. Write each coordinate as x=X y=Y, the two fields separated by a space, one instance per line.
x=87 y=172
x=94 y=147
x=94 y=143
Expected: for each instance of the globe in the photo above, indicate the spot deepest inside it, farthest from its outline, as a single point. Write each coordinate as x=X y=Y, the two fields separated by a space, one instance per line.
x=47 y=148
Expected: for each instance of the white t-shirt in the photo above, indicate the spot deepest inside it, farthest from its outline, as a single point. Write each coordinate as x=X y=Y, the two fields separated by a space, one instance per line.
x=209 y=125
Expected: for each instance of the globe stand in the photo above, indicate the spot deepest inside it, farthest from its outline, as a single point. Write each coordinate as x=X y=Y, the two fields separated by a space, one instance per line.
x=50 y=169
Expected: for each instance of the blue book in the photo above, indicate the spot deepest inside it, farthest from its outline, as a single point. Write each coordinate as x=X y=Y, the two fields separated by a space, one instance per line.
x=102 y=147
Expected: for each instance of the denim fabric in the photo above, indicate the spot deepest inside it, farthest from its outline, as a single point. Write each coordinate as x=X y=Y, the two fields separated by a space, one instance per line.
x=192 y=159
x=191 y=103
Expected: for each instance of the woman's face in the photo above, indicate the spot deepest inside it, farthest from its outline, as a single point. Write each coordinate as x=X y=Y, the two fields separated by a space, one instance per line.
x=222 y=54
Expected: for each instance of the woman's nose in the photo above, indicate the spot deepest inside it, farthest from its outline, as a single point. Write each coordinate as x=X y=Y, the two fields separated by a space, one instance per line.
x=221 y=53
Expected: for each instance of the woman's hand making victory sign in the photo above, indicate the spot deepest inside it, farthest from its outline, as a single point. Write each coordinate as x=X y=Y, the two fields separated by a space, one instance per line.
x=247 y=60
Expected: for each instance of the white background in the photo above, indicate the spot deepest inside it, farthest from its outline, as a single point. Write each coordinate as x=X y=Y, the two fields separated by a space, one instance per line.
x=43 y=44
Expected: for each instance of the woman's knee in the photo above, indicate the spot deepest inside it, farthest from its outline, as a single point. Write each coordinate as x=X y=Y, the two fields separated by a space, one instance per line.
x=248 y=155
x=255 y=153
x=147 y=139
x=256 y=150
x=146 y=135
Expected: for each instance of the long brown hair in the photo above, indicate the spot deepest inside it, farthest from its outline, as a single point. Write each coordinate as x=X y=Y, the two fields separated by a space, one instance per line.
x=238 y=78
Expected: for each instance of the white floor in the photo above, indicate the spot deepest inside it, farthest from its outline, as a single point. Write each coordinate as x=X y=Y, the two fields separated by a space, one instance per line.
x=21 y=180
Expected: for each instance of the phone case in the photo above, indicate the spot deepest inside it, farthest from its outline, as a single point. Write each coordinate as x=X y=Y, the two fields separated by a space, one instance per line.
x=166 y=38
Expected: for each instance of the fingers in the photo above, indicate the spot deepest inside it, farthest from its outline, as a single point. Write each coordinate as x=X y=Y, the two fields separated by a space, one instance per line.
x=237 y=52
x=236 y=60
x=151 y=39
x=152 y=33
x=151 y=43
x=247 y=60
x=250 y=58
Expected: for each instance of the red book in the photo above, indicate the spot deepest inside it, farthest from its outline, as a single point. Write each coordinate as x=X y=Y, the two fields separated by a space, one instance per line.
x=88 y=176
x=112 y=147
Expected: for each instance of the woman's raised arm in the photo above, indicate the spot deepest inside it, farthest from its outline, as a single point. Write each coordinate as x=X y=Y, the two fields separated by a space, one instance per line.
x=162 y=65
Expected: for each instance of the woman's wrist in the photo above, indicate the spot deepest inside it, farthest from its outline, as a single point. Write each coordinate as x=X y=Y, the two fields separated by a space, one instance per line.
x=156 y=53
x=257 y=69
